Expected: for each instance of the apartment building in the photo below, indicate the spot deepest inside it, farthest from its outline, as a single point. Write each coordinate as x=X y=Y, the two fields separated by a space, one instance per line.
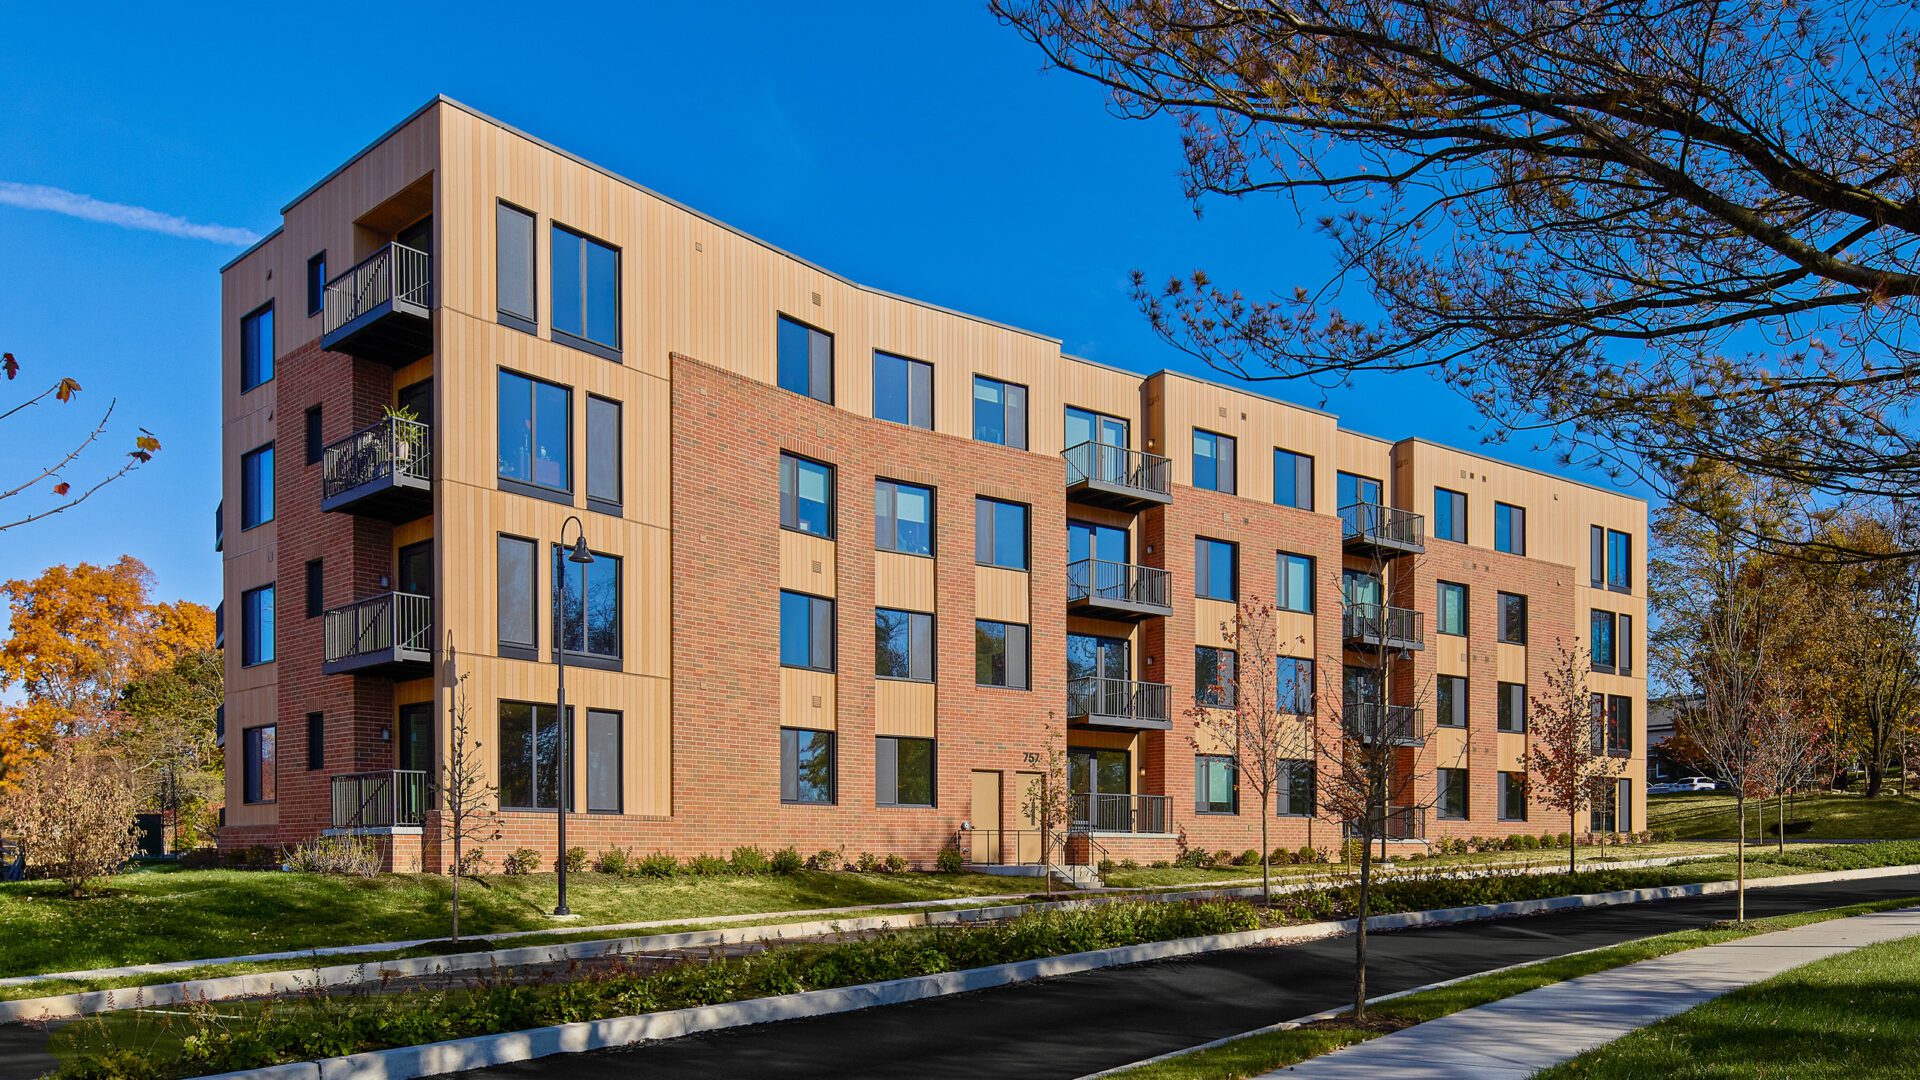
x=465 y=349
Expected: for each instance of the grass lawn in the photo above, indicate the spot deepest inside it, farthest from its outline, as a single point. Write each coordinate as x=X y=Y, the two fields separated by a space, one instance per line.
x=1834 y=816
x=1261 y=1053
x=1842 y=1018
x=1146 y=876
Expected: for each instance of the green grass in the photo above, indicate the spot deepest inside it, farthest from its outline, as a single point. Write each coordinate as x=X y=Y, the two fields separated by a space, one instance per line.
x=1842 y=1018
x=1833 y=816
x=1147 y=876
x=1257 y=1054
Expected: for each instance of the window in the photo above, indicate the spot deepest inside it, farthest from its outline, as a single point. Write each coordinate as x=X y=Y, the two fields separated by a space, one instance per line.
x=903 y=771
x=1293 y=590
x=603 y=762
x=316 y=284
x=316 y=446
x=536 y=433
x=1215 y=681
x=256 y=487
x=513 y=271
x=1597 y=556
x=806 y=496
x=1000 y=654
x=589 y=607
x=1214 y=468
x=902 y=518
x=316 y=589
x=256 y=348
x=1453 y=608
x=1613 y=810
x=530 y=757
x=1293 y=794
x=1619 y=725
x=999 y=533
x=1509 y=529
x=1452 y=794
x=1623 y=645
x=1292 y=479
x=806 y=631
x=586 y=293
x=1215 y=573
x=902 y=645
x=257 y=781
x=316 y=741
x=999 y=412
x=1619 y=561
x=1449 y=515
x=1450 y=700
x=1213 y=785
x=603 y=455
x=514 y=570
x=1294 y=684
x=902 y=390
x=1511 y=614
x=1513 y=796
x=1512 y=707
x=256 y=626
x=806 y=360
x=806 y=766
x=1601 y=643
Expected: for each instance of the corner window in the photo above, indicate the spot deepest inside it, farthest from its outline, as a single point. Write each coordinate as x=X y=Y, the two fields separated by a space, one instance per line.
x=316 y=284
x=806 y=766
x=603 y=751
x=806 y=496
x=806 y=631
x=535 y=433
x=256 y=487
x=1215 y=676
x=902 y=390
x=1214 y=466
x=513 y=269
x=805 y=360
x=1512 y=616
x=999 y=533
x=1449 y=515
x=1450 y=701
x=514 y=572
x=902 y=645
x=902 y=518
x=1513 y=796
x=1000 y=654
x=257 y=757
x=1452 y=794
x=1215 y=569
x=1509 y=529
x=603 y=455
x=256 y=348
x=1293 y=590
x=589 y=606
x=1293 y=794
x=1292 y=480
x=586 y=293
x=1512 y=707
x=1453 y=608
x=530 y=757
x=999 y=412
x=1293 y=676
x=256 y=626
x=903 y=771
x=1214 y=788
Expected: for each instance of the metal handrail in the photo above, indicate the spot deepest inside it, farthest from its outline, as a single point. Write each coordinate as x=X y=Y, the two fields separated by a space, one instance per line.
x=393 y=446
x=1109 y=464
x=1090 y=578
x=1001 y=846
x=1383 y=622
x=1377 y=521
x=1113 y=813
x=1094 y=696
x=390 y=621
x=395 y=272
x=375 y=800
x=1395 y=823
x=1370 y=721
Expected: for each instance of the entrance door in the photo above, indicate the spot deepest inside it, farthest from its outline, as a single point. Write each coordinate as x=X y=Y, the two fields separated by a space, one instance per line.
x=414 y=569
x=1085 y=540
x=1357 y=496
x=1360 y=587
x=1093 y=656
x=417 y=398
x=418 y=236
x=413 y=750
x=1026 y=848
x=985 y=815
x=1084 y=426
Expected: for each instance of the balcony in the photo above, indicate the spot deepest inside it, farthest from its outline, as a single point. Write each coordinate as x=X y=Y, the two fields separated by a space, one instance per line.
x=1396 y=823
x=1100 y=474
x=1117 y=590
x=1379 y=626
x=1395 y=725
x=384 y=470
x=381 y=309
x=396 y=799
x=1122 y=704
x=1383 y=530
x=1146 y=814
x=390 y=634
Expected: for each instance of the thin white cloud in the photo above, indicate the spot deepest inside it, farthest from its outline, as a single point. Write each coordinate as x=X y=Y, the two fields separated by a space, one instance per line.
x=88 y=208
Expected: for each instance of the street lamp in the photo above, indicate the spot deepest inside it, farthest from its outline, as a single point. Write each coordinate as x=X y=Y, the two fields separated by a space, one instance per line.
x=582 y=556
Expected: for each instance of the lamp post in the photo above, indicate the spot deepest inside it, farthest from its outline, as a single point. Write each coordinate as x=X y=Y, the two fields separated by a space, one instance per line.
x=581 y=556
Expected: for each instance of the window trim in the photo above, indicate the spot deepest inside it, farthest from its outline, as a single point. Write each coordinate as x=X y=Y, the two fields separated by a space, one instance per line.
x=1280 y=601
x=530 y=322
x=993 y=534
x=619 y=761
x=933 y=776
x=580 y=657
x=316 y=287
x=1463 y=703
x=1440 y=609
x=833 y=767
x=933 y=512
x=833 y=496
x=1516 y=545
x=253 y=787
x=1515 y=693
x=933 y=646
x=1466 y=534
x=247 y=459
x=563 y=495
x=533 y=778
x=1502 y=625
x=316 y=438
x=574 y=341
x=316 y=741
x=249 y=628
x=1026 y=416
x=1466 y=794
x=1229 y=692
x=1506 y=777
x=1313 y=789
x=1596 y=616
x=1026 y=669
x=932 y=398
x=833 y=632
x=1233 y=472
x=1233 y=573
x=594 y=503
x=833 y=361
x=515 y=650
x=261 y=362
x=1233 y=786
x=316 y=588
x=1298 y=458
x=1313 y=693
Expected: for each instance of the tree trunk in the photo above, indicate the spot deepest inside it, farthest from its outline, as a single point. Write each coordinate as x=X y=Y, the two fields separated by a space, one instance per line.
x=1875 y=774
x=1783 y=822
x=456 y=882
x=1740 y=854
x=1573 y=840
x=1360 y=929
x=1266 y=856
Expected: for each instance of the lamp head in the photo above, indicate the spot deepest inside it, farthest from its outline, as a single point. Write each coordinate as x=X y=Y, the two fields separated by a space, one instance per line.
x=580 y=554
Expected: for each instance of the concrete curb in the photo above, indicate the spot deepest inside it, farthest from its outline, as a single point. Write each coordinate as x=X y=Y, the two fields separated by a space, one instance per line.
x=433 y=1059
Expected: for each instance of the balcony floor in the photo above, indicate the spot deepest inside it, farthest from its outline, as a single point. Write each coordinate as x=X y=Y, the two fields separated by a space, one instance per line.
x=1113 y=496
x=1107 y=607
x=397 y=499
x=1100 y=722
x=396 y=333
x=396 y=663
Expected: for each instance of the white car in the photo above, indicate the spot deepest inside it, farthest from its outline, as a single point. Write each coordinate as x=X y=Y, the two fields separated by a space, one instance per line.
x=1685 y=786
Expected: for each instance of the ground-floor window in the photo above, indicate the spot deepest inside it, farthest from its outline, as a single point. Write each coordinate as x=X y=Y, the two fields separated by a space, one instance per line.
x=1213 y=784
x=1513 y=796
x=1452 y=802
x=806 y=766
x=603 y=762
x=1613 y=810
x=1293 y=794
x=529 y=757
x=903 y=771
x=258 y=772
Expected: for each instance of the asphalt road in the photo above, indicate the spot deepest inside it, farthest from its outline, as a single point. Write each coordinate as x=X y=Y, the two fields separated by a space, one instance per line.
x=1067 y=1027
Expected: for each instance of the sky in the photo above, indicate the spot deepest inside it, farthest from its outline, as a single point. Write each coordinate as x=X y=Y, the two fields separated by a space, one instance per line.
x=918 y=148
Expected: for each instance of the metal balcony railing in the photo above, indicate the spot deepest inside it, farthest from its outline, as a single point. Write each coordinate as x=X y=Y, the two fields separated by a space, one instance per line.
x=395 y=274
x=1384 y=526
x=1119 y=702
x=390 y=626
x=1115 y=470
x=388 y=449
x=1394 y=823
x=380 y=800
x=1383 y=624
x=1121 y=813
x=1097 y=581
x=1371 y=722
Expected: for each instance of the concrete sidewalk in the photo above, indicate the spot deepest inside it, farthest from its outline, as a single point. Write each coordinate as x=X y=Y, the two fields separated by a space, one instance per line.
x=1518 y=1036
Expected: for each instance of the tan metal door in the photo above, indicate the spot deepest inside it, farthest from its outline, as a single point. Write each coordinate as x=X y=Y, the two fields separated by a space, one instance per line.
x=985 y=815
x=1029 y=827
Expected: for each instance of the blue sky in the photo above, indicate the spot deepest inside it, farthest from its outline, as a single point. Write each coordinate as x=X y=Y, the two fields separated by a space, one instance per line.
x=916 y=148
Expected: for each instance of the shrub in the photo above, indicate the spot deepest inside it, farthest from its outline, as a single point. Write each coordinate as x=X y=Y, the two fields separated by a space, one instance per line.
x=1159 y=864
x=867 y=862
x=1223 y=857
x=616 y=861
x=576 y=860
x=1248 y=857
x=200 y=858
x=523 y=861
x=949 y=861
x=352 y=856
x=1129 y=864
x=787 y=861
x=1106 y=867
x=1308 y=856
x=1563 y=840
x=894 y=864
x=1193 y=859
x=749 y=860
x=473 y=861
x=708 y=866
x=74 y=809
x=1279 y=856
x=657 y=865
x=826 y=859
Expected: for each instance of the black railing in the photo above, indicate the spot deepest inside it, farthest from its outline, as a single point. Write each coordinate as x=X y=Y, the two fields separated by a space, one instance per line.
x=999 y=847
x=1104 y=463
x=1383 y=624
x=380 y=800
x=1122 y=699
x=1395 y=823
x=388 y=623
x=395 y=274
x=1097 y=812
x=1375 y=523
x=389 y=448
x=1098 y=579
x=1371 y=722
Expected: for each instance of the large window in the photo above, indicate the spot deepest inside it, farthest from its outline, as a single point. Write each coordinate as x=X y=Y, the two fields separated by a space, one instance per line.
x=903 y=771
x=1513 y=796
x=256 y=487
x=1450 y=700
x=603 y=455
x=902 y=518
x=256 y=626
x=806 y=496
x=1449 y=515
x=902 y=390
x=1601 y=641
x=1000 y=654
x=999 y=533
x=1293 y=795
x=1509 y=528
x=256 y=348
x=603 y=762
x=1452 y=790
x=589 y=606
x=316 y=283
x=1619 y=725
x=1453 y=608
x=1511 y=613
x=1293 y=589
x=1293 y=690
x=1214 y=462
x=586 y=293
x=513 y=272
x=257 y=758
x=1215 y=676
x=1512 y=707
x=1292 y=479
x=1214 y=787
x=806 y=766
x=902 y=645
x=1215 y=569
x=1611 y=556
x=536 y=433
x=806 y=631
x=514 y=569
x=530 y=757
x=805 y=360
x=999 y=412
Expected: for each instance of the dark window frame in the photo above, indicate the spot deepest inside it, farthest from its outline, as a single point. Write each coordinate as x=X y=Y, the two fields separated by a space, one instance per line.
x=1510 y=708
x=1288 y=786
x=1232 y=470
x=529 y=650
x=524 y=321
x=931 y=659
x=260 y=765
x=812 y=374
x=1459 y=501
x=1201 y=765
x=316 y=283
x=583 y=657
x=1442 y=808
x=316 y=439
x=534 y=488
x=1595 y=619
x=889 y=539
x=1508 y=782
x=790 y=464
x=1312 y=694
x=933 y=773
x=910 y=368
x=316 y=588
x=1225 y=694
x=832 y=627
x=256 y=356
x=1459 y=697
x=1283 y=598
x=1205 y=574
x=833 y=767
x=1503 y=631
x=1440 y=589
x=1006 y=411
x=587 y=757
x=250 y=627
x=1025 y=668
x=253 y=489
x=316 y=741
x=1514 y=515
x=534 y=805
x=991 y=536
x=1299 y=463
x=605 y=350
x=595 y=502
